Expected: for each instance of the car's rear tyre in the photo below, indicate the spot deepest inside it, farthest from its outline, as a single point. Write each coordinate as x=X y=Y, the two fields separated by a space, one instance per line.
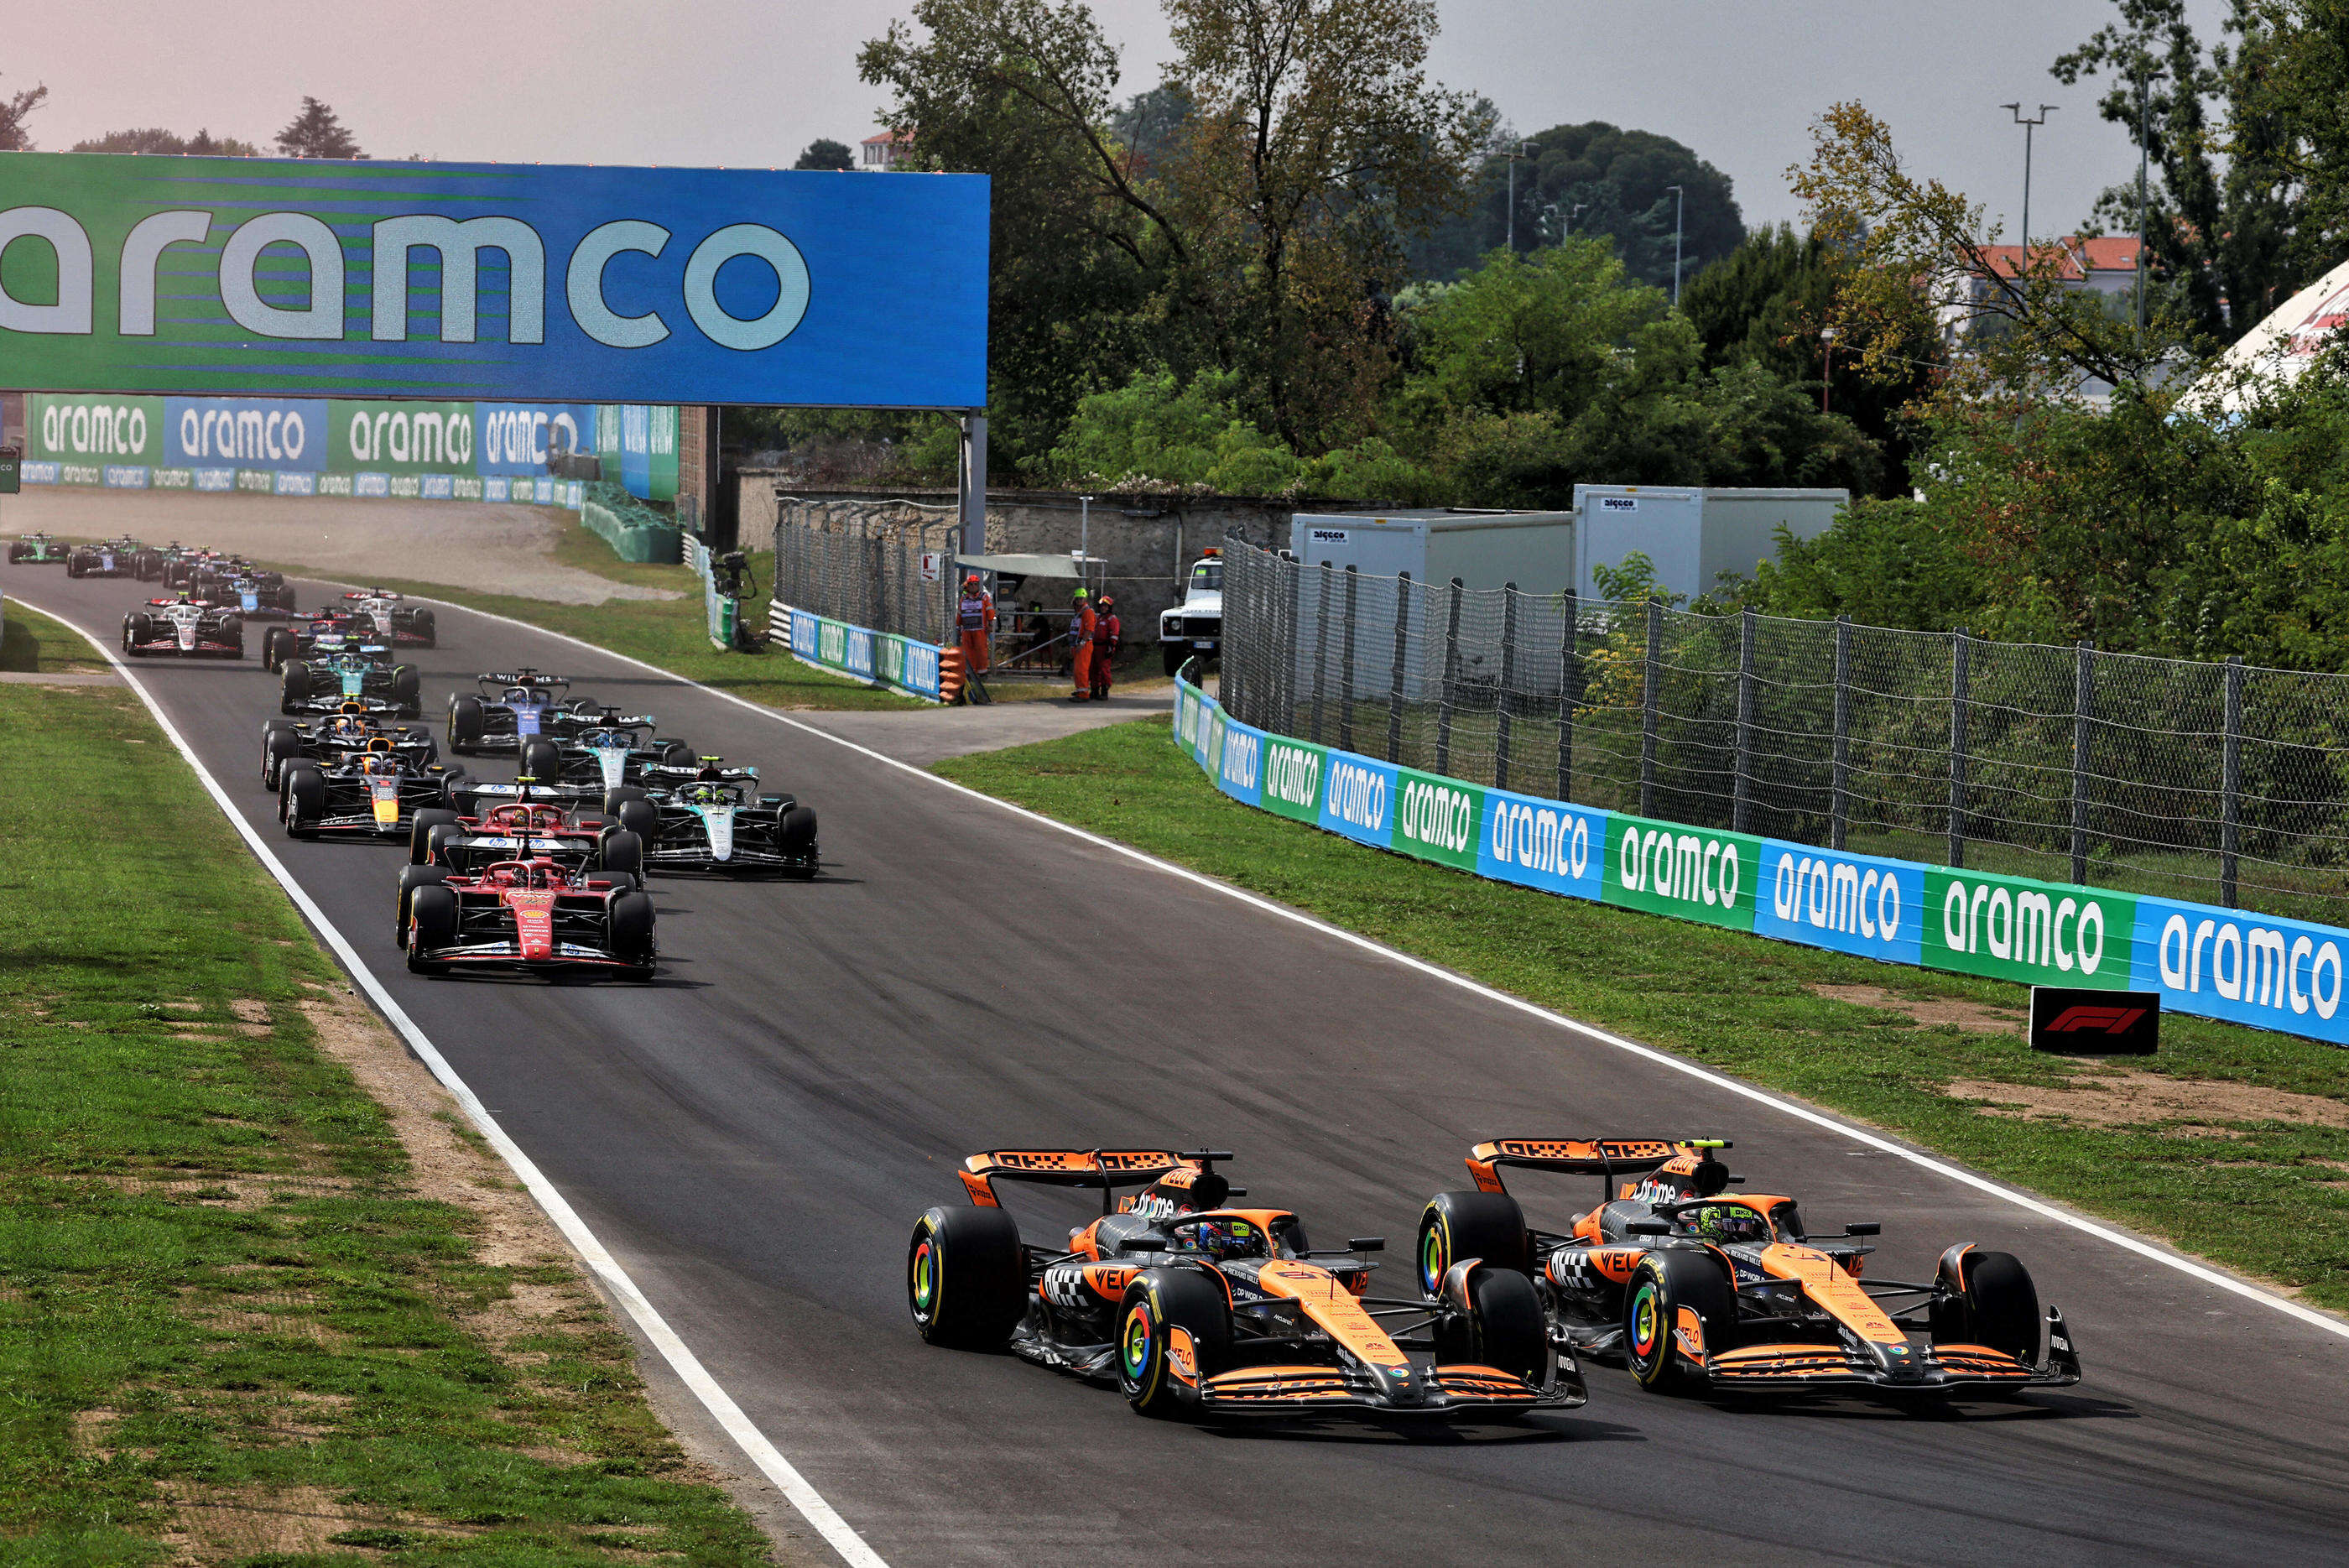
x=618 y=849
x=641 y=818
x=1460 y=1225
x=278 y=747
x=408 y=690
x=965 y=1277
x=302 y=800
x=466 y=723
x=454 y=782
x=1997 y=1306
x=795 y=829
x=629 y=927
x=618 y=794
x=431 y=923
x=275 y=644
x=676 y=754
x=541 y=759
x=1665 y=1284
x=294 y=685
x=410 y=878
x=420 y=832
x=1505 y=1326
x=1158 y=1302
x=426 y=631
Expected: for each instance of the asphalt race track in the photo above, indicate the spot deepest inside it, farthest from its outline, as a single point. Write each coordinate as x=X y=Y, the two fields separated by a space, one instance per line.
x=754 y=1135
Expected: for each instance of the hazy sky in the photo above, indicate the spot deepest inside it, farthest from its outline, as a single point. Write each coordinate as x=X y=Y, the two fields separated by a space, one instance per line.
x=749 y=82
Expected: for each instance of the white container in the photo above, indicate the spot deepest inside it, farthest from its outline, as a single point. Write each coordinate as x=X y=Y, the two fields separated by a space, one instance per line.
x=1693 y=534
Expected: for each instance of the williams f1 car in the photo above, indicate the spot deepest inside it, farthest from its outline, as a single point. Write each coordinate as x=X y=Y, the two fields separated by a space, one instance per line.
x=1191 y=1306
x=123 y=557
x=187 y=628
x=39 y=550
x=352 y=729
x=330 y=677
x=396 y=622
x=1696 y=1286
x=531 y=915
x=713 y=818
x=374 y=793
x=510 y=707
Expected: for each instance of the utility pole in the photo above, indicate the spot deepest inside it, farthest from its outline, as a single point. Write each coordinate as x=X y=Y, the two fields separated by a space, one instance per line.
x=1680 y=212
x=1515 y=152
x=2028 y=125
x=2142 y=64
x=1827 y=379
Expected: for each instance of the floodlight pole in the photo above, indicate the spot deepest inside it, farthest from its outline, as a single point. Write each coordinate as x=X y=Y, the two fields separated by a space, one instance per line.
x=1680 y=212
x=2029 y=125
x=2141 y=200
x=1515 y=152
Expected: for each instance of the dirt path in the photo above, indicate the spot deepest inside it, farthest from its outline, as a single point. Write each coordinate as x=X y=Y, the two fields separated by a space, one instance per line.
x=493 y=549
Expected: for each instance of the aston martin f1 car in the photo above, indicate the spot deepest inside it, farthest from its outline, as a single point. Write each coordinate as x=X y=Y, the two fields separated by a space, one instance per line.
x=38 y=550
x=374 y=794
x=190 y=628
x=510 y=707
x=1190 y=1305
x=442 y=844
x=352 y=729
x=122 y=558
x=1693 y=1285
x=713 y=818
x=329 y=677
x=395 y=621
x=533 y=915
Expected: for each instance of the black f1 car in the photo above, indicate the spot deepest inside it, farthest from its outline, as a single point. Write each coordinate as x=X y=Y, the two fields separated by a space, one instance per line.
x=39 y=550
x=184 y=626
x=510 y=708
x=395 y=621
x=374 y=793
x=329 y=677
x=122 y=558
x=533 y=915
x=1188 y=1304
x=713 y=818
x=441 y=844
x=257 y=595
x=1694 y=1285
x=181 y=563
x=352 y=729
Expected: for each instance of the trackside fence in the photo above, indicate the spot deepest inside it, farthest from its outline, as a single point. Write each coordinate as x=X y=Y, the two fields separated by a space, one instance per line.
x=861 y=564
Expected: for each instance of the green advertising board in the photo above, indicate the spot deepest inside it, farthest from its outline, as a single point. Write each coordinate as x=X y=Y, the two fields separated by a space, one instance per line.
x=399 y=438
x=12 y=470
x=2039 y=933
x=1694 y=873
x=1437 y=818
x=93 y=429
x=1293 y=773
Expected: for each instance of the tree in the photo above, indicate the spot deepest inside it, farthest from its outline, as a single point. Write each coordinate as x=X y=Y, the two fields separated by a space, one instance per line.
x=156 y=141
x=825 y=153
x=317 y=133
x=14 y=109
x=1541 y=331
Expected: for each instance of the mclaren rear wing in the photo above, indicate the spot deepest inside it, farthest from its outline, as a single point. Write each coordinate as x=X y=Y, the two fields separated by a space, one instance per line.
x=1606 y=1158
x=1105 y=1169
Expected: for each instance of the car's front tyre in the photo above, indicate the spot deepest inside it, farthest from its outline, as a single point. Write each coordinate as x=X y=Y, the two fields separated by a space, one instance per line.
x=965 y=1277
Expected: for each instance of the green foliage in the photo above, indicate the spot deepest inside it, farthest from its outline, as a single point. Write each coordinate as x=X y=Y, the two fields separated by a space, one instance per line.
x=825 y=153
x=1152 y=433
x=1524 y=333
x=317 y=132
x=14 y=109
x=156 y=141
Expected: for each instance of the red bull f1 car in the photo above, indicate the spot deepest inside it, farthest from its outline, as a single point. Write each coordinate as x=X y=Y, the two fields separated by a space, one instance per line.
x=1696 y=1286
x=533 y=915
x=352 y=729
x=183 y=628
x=374 y=793
x=1192 y=1304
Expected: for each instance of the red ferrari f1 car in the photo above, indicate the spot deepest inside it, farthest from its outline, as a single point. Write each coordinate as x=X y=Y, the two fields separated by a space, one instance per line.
x=533 y=915
x=1694 y=1285
x=1190 y=1305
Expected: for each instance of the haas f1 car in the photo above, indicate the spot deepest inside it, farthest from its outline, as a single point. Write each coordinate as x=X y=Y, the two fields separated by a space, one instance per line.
x=186 y=628
x=1696 y=1286
x=533 y=915
x=713 y=818
x=374 y=793
x=392 y=621
x=1192 y=1306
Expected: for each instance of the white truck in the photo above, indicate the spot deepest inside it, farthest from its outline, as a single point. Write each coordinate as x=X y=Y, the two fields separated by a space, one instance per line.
x=1194 y=629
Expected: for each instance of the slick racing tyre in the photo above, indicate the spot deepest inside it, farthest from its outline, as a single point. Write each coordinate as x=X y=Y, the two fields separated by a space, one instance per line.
x=275 y=644
x=1158 y=1302
x=422 y=625
x=619 y=850
x=1996 y=1305
x=420 y=832
x=965 y=1277
x=1665 y=1284
x=1457 y=1225
x=676 y=754
x=431 y=923
x=136 y=629
x=294 y=684
x=641 y=818
x=278 y=747
x=301 y=800
x=466 y=724
x=1504 y=1327
x=408 y=690
x=542 y=760
x=411 y=877
x=628 y=923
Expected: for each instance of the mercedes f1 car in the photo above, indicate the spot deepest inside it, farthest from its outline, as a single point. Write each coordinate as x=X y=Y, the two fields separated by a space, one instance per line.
x=352 y=729
x=374 y=793
x=713 y=818
x=190 y=628
x=510 y=707
x=533 y=915
x=395 y=621
x=1191 y=1306
x=603 y=748
x=122 y=558
x=329 y=677
x=1693 y=1285
x=38 y=550
x=320 y=631
x=442 y=844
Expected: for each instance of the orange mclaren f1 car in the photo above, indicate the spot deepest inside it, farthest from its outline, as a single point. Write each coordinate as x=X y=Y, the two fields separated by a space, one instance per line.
x=1694 y=1285
x=1191 y=1304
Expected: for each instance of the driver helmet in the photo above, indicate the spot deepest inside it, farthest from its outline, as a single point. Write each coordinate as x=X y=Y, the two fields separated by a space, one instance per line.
x=1224 y=1238
x=378 y=763
x=1729 y=1223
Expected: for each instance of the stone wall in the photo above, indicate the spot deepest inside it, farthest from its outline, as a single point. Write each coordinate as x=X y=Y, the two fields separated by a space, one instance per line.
x=1148 y=541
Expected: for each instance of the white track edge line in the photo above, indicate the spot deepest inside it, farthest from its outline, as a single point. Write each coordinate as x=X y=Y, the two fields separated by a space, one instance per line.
x=836 y=1531
x=2128 y=1243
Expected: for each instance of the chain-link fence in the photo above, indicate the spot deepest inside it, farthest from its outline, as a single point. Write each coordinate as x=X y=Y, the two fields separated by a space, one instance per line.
x=2215 y=783
x=863 y=564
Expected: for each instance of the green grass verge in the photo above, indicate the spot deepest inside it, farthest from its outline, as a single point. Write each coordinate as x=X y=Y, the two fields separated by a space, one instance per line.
x=219 y=1288
x=2268 y=1197
x=33 y=643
